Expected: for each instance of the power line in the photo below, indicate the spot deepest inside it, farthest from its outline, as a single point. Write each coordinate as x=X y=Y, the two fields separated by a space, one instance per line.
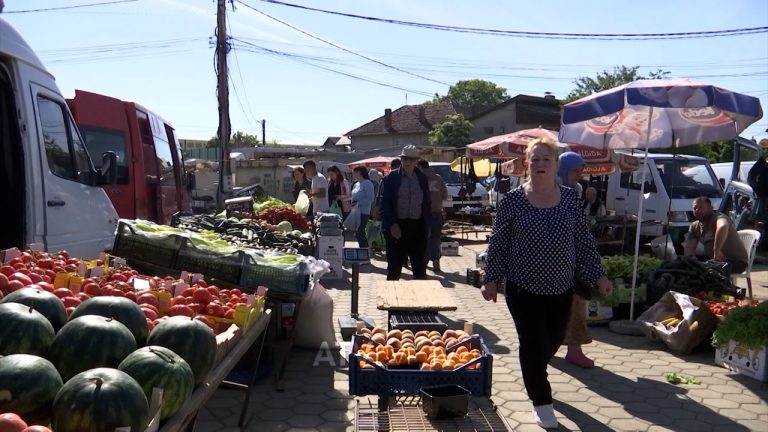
x=538 y=35
x=71 y=7
x=342 y=48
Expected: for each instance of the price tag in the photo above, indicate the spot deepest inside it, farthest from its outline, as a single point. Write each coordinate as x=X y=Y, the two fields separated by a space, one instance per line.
x=36 y=247
x=75 y=283
x=61 y=280
x=184 y=275
x=261 y=291
x=179 y=287
x=96 y=272
x=83 y=269
x=196 y=277
x=141 y=284
x=251 y=300
x=10 y=254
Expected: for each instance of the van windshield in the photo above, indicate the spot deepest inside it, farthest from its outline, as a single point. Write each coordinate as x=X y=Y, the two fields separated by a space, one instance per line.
x=685 y=178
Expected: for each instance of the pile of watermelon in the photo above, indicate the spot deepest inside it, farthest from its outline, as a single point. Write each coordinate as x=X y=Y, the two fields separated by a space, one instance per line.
x=95 y=356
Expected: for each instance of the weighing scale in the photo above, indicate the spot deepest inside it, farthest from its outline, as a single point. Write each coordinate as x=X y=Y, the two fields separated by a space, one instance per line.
x=353 y=257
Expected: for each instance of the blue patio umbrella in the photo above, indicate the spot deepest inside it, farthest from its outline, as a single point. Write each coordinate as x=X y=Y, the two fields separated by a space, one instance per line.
x=661 y=113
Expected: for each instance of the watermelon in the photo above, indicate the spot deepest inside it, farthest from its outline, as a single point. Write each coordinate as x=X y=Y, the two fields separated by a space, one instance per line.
x=156 y=366
x=119 y=308
x=88 y=342
x=44 y=302
x=191 y=339
x=24 y=330
x=100 y=400
x=31 y=383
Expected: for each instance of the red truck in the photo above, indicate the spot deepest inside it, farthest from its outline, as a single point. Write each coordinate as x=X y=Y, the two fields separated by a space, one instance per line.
x=151 y=181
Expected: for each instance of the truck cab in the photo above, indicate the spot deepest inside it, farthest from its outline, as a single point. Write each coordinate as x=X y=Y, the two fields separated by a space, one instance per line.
x=459 y=197
x=671 y=183
x=52 y=190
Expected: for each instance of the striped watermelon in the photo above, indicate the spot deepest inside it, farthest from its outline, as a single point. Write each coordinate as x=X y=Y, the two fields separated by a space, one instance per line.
x=119 y=308
x=44 y=302
x=100 y=400
x=88 y=342
x=156 y=366
x=24 y=330
x=191 y=339
x=31 y=383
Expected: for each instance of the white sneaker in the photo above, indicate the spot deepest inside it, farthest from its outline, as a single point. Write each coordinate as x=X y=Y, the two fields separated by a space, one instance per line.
x=545 y=416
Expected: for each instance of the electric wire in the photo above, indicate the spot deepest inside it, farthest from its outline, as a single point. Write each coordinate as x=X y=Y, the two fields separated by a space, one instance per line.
x=69 y=7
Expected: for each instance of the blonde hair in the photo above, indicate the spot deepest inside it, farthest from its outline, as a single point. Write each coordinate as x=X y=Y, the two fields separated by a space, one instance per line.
x=546 y=142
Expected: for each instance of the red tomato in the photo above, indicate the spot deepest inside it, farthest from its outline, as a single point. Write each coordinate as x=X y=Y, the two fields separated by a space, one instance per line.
x=83 y=296
x=152 y=307
x=214 y=309
x=235 y=291
x=118 y=277
x=3 y=282
x=70 y=268
x=35 y=277
x=27 y=257
x=7 y=270
x=131 y=295
x=37 y=428
x=214 y=291
x=197 y=307
x=188 y=292
x=201 y=283
x=150 y=325
x=71 y=301
x=14 y=285
x=64 y=254
x=14 y=262
x=45 y=263
x=182 y=310
x=92 y=288
x=149 y=313
x=10 y=422
x=201 y=295
x=169 y=278
x=230 y=313
x=204 y=319
x=1 y=295
x=178 y=300
x=147 y=298
x=21 y=277
x=114 y=292
x=69 y=310
x=46 y=286
x=63 y=292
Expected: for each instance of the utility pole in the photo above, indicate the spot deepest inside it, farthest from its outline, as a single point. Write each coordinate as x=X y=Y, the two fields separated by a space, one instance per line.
x=222 y=48
x=263 y=132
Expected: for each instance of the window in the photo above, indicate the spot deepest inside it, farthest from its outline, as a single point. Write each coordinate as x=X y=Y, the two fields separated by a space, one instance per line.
x=98 y=141
x=685 y=178
x=632 y=180
x=165 y=161
x=64 y=151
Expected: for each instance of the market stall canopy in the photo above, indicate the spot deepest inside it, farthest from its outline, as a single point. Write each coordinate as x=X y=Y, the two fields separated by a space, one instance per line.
x=483 y=167
x=323 y=166
x=622 y=162
x=380 y=163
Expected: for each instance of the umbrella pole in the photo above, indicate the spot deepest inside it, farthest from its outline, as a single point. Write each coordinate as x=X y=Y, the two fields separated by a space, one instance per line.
x=640 y=218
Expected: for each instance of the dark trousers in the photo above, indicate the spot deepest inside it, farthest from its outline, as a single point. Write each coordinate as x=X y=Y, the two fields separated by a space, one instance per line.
x=541 y=324
x=435 y=235
x=411 y=244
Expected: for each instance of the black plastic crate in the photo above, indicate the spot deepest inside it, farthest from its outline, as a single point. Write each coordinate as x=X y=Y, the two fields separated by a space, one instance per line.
x=294 y=280
x=212 y=265
x=416 y=321
x=445 y=401
x=161 y=250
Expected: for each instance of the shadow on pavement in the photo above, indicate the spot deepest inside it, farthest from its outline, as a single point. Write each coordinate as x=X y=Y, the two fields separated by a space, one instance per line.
x=583 y=421
x=656 y=402
x=496 y=345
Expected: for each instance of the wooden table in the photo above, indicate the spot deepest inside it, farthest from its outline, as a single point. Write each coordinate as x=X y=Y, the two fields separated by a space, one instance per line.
x=413 y=296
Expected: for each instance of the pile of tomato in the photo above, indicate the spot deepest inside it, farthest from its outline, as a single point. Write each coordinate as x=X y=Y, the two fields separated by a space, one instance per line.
x=274 y=216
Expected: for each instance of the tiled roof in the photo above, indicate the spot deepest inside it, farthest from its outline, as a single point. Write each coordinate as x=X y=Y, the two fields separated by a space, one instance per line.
x=406 y=119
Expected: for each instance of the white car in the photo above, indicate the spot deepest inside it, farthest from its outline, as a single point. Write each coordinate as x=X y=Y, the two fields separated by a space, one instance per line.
x=459 y=199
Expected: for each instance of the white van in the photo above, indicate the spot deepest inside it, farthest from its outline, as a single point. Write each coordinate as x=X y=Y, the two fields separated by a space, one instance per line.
x=671 y=184
x=458 y=199
x=51 y=189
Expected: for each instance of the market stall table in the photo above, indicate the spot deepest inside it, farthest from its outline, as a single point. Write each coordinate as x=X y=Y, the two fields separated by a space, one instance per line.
x=413 y=296
x=184 y=420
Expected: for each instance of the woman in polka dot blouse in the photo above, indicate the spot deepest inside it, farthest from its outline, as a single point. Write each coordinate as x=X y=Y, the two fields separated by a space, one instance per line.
x=539 y=241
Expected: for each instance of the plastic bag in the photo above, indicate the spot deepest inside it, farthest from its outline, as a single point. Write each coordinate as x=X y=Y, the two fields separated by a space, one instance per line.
x=302 y=204
x=352 y=222
x=314 y=325
x=335 y=209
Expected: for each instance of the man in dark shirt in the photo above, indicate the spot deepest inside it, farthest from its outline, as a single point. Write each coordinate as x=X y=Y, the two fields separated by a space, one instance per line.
x=405 y=208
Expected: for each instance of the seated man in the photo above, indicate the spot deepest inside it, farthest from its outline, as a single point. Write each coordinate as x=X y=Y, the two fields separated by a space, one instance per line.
x=718 y=236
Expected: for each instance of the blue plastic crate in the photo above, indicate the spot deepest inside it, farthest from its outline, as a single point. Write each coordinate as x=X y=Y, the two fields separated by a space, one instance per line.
x=396 y=382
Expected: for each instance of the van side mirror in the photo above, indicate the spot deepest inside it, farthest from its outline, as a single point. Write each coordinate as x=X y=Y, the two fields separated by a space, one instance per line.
x=189 y=180
x=108 y=170
x=649 y=187
x=722 y=182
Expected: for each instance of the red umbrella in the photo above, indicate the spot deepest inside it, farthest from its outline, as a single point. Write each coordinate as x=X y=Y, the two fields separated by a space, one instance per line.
x=380 y=163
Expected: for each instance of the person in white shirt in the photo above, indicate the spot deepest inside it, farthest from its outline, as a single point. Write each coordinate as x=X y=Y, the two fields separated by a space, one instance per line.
x=319 y=192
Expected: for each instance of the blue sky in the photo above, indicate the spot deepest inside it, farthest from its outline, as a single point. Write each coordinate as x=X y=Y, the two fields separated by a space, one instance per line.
x=157 y=53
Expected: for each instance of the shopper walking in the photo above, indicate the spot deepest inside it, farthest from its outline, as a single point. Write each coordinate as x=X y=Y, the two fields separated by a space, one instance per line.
x=539 y=242
x=405 y=208
x=302 y=183
x=362 y=197
x=570 y=172
x=338 y=191
x=438 y=193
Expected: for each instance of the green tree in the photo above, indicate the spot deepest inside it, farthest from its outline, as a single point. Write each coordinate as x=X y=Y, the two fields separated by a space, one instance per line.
x=213 y=142
x=238 y=140
x=453 y=132
x=605 y=80
x=475 y=95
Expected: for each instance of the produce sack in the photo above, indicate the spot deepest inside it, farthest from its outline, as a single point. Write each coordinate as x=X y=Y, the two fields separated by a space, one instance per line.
x=302 y=204
x=678 y=320
x=314 y=324
x=352 y=222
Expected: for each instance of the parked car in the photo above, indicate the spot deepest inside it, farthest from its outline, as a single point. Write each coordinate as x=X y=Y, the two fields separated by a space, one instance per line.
x=459 y=196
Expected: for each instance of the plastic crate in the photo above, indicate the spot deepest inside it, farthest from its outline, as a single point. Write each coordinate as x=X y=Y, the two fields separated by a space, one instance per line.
x=445 y=401
x=394 y=382
x=416 y=321
x=294 y=281
x=212 y=265
x=131 y=244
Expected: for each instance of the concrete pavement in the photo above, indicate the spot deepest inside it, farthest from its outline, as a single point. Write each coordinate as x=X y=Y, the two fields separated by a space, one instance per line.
x=627 y=390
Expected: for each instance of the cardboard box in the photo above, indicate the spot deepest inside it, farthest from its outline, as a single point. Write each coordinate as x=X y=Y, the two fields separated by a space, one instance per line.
x=740 y=359
x=337 y=269
x=329 y=248
x=449 y=248
x=597 y=311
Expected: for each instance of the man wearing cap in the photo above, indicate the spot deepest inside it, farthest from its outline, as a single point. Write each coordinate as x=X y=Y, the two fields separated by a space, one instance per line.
x=405 y=209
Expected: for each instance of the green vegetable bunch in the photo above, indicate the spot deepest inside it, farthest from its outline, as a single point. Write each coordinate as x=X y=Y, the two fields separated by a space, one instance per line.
x=746 y=325
x=621 y=266
x=269 y=203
